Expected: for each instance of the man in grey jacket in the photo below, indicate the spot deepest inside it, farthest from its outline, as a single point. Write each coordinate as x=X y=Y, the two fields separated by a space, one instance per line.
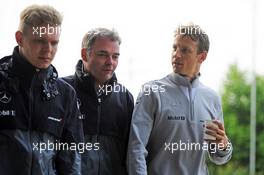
x=168 y=129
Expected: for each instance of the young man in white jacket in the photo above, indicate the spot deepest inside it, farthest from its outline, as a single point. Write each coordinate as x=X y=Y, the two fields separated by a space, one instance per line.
x=168 y=123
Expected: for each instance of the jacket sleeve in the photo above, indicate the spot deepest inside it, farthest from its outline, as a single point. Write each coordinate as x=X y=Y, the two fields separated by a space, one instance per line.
x=68 y=161
x=141 y=126
x=220 y=157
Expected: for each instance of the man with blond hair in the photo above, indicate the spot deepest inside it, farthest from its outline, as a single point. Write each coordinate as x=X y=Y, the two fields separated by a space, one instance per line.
x=38 y=111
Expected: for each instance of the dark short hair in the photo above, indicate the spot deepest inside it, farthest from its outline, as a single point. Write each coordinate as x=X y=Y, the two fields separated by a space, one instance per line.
x=196 y=33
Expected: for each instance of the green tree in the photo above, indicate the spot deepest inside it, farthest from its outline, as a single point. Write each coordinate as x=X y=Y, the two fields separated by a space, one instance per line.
x=236 y=108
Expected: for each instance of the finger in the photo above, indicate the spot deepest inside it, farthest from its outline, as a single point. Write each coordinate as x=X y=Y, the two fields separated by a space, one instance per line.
x=221 y=132
x=212 y=126
x=210 y=141
x=211 y=132
x=219 y=124
x=219 y=137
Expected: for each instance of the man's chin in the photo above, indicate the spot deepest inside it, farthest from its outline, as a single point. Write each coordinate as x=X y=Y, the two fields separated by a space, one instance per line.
x=108 y=77
x=177 y=71
x=42 y=66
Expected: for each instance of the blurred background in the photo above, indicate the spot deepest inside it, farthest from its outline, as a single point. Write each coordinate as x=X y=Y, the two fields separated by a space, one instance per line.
x=233 y=67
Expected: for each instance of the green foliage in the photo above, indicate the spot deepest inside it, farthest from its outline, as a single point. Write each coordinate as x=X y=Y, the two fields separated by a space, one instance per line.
x=236 y=108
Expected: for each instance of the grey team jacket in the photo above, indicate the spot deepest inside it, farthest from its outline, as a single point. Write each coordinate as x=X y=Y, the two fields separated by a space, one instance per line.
x=166 y=136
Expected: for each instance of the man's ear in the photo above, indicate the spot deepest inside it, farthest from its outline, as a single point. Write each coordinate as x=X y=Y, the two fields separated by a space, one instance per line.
x=202 y=56
x=84 y=54
x=19 y=38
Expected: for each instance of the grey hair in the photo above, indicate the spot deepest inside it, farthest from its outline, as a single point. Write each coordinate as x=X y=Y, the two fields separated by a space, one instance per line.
x=90 y=37
x=36 y=15
x=196 y=33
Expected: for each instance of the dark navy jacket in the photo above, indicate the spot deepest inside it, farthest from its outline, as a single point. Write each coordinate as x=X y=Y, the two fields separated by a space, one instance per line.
x=107 y=115
x=36 y=110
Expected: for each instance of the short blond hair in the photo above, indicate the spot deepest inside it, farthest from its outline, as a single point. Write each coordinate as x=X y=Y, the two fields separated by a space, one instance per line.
x=36 y=15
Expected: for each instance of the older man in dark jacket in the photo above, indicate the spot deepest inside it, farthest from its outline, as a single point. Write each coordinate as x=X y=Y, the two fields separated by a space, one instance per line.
x=106 y=105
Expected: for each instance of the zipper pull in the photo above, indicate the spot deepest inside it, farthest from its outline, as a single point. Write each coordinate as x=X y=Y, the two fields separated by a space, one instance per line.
x=99 y=100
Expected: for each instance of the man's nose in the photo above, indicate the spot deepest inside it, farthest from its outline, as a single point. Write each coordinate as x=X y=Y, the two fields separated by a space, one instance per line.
x=109 y=59
x=47 y=47
x=176 y=54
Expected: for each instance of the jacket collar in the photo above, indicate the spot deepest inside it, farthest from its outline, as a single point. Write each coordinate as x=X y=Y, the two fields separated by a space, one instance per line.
x=24 y=70
x=19 y=72
x=181 y=80
x=21 y=67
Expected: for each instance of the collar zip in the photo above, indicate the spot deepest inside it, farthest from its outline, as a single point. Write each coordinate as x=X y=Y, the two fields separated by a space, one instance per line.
x=49 y=88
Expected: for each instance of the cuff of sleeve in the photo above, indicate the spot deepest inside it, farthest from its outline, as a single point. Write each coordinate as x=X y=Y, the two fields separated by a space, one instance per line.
x=222 y=153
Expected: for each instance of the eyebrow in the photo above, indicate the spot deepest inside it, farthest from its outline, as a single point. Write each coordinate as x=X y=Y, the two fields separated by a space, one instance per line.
x=103 y=51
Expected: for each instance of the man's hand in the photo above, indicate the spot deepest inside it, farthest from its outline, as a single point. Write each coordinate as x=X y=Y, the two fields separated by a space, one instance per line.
x=217 y=130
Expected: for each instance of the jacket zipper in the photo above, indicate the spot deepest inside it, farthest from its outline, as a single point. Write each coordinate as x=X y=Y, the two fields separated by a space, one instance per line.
x=98 y=128
x=31 y=107
x=190 y=102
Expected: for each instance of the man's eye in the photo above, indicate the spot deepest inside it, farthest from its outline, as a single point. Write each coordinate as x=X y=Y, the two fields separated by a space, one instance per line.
x=55 y=43
x=40 y=41
x=101 y=55
x=184 y=50
x=107 y=55
x=115 y=57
